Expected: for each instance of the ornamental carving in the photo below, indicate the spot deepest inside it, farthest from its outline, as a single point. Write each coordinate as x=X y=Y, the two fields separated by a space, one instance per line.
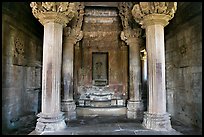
x=130 y=30
x=73 y=32
x=60 y=12
x=18 y=48
x=125 y=14
x=18 y=52
x=143 y=9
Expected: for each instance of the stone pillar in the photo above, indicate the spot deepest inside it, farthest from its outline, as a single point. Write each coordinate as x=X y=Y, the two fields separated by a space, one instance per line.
x=53 y=16
x=154 y=16
x=134 y=105
x=71 y=37
x=68 y=104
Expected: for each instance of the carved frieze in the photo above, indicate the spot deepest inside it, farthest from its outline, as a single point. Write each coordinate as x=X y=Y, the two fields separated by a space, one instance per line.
x=60 y=12
x=160 y=12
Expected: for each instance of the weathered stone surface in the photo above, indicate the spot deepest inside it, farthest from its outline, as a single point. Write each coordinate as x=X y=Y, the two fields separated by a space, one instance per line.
x=135 y=109
x=17 y=75
x=69 y=109
x=158 y=122
x=183 y=66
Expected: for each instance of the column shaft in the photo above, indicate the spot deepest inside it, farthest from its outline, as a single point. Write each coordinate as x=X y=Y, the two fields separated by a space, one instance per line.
x=68 y=105
x=156 y=69
x=134 y=72
x=51 y=74
x=134 y=105
x=156 y=117
x=67 y=71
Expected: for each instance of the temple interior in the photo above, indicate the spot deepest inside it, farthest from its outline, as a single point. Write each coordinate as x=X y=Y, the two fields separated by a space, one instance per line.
x=63 y=61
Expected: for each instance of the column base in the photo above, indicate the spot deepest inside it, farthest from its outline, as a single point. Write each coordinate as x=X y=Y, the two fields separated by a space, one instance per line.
x=69 y=109
x=134 y=109
x=50 y=122
x=158 y=122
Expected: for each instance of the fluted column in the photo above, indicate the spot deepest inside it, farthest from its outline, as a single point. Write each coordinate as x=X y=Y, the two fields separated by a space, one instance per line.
x=134 y=104
x=53 y=16
x=154 y=16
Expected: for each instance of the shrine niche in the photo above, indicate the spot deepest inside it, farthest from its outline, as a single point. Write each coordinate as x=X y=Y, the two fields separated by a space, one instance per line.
x=100 y=68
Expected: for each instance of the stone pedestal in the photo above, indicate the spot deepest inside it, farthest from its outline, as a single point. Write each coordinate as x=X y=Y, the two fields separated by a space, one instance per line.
x=134 y=109
x=69 y=109
x=50 y=122
x=53 y=16
x=159 y=122
x=154 y=20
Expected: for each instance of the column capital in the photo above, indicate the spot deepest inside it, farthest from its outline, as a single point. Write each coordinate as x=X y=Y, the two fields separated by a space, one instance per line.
x=131 y=35
x=151 y=13
x=59 y=12
x=72 y=35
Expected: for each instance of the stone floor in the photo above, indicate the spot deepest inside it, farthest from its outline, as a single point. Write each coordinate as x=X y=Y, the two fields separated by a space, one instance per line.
x=120 y=125
x=106 y=125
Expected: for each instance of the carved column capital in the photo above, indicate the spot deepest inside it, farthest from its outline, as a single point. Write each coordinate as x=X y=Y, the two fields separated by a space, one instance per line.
x=131 y=35
x=59 y=12
x=149 y=13
x=73 y=35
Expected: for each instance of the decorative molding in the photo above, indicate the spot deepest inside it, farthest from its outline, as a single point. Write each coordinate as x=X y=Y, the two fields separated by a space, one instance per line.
x=60 y=12
x=159 y=12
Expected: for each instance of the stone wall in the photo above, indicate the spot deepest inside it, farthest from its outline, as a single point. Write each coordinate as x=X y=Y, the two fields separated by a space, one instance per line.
x=21 y=65
x=183 y=41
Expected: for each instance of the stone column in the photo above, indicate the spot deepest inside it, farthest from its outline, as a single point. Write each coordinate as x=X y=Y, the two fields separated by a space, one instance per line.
x=68 y=104
x=154 y=16
x=134 y=105
x=53 y=16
